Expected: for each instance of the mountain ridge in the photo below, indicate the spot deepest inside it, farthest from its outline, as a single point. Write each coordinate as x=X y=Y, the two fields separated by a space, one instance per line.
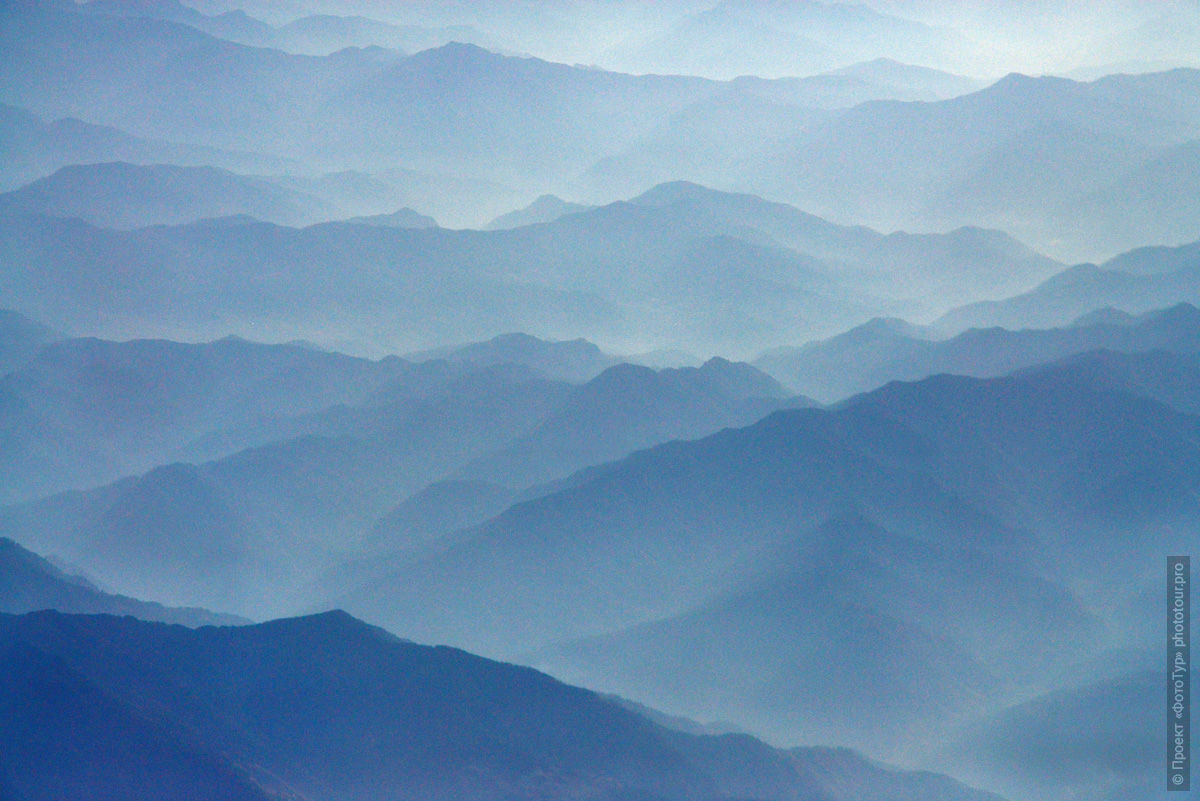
x=309 y=735
x=29 y=583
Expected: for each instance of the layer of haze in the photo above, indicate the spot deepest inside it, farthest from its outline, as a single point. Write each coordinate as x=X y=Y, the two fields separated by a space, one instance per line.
x=988 y=39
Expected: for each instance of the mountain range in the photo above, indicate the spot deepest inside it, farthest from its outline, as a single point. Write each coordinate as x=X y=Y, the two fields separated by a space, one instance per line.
x=1053 y=161
x=1029 y=749
x=736 y=38
x=401 y=218
x=629 y=407
x=817 y=383
x=322 y=457
x=940 y=496
x=1026 y=155
x=576 y=361
x=121 y=195
x=317 y=34
x=29 y=583
x=36 y=148
x=880 y=351
x=326 y=707
x=679 y=267
x=546 y=208
x=290 y=497
x=1138 y=281
x=84 y=411
x=921 y=491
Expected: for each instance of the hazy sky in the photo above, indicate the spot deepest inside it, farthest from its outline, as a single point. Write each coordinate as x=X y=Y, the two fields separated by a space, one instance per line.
x=994 y=38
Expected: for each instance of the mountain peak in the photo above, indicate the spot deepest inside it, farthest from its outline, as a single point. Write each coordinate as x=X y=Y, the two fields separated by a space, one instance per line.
x=458 y=53
x=329 y=619
x=402 y=218
x=741 y=379
x=888 y=325
x=1019 y=83
x=622 y=373
x=332 y=625
x=546 y=208
x=670 y=192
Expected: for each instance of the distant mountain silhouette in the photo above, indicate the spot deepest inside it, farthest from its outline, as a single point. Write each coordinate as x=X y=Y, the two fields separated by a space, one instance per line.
x=846 y=87
x=35 y=149
x=719 y=39
x=1054 y=177
x=546 y=208
x=318 y=34
x=1156 y=260
x=1149 y=203
x=835 y=367
x=296 y=493
x=684 y=540
x=245 y=531
x=889 y=72
x=628 y=407
x=1102 y=736
x=779 y=39
x=236 y=26
x=707 y=141
x=429 y=106
x=926 y=639
x=577 y=360
x=122 y=195
x=681 y=267
x=899 y=265
x=404 y=218
x=440 y=509
x=375 y=197
x=872 y=354
x=1024 y=154
x=454 y=200
x=1049 y=159
x=29 y=583
x=84 y=411
x=326 y=707
x=322 y=34
x=1138 y=281
x=378 y=193
x=111 y=71
x=1168 y=376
